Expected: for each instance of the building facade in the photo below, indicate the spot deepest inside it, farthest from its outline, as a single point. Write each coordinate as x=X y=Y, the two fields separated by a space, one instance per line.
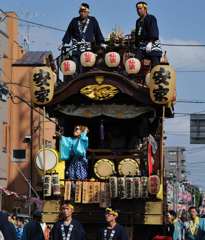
x=20 y=124
x=175 y=163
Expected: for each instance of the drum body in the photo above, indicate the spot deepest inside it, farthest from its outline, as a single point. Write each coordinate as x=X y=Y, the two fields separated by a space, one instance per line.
x=50 y=161
x=128 y=167
x=104 y=168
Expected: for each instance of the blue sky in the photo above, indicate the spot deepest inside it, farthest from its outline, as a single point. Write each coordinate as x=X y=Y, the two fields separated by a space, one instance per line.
x=179 y=22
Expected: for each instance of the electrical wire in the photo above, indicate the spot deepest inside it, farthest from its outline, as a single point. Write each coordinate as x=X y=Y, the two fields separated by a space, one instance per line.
x=63 y=30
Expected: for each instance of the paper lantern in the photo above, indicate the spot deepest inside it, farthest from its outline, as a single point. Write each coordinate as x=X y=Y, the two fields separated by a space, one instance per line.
x=68 y=67
x=153 y=184
x=112 y=59
x=162 y=84
x=132 y=66
x=42 y=85
x=88 y=59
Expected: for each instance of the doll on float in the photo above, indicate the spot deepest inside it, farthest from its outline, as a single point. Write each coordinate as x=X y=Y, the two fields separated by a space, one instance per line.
x=74 y=150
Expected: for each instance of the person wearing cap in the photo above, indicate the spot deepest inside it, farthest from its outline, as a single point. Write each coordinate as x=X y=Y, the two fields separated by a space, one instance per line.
x=35 y=229
x=84 y=27
x=147 y=35
x=113 y=230
x=67 y=228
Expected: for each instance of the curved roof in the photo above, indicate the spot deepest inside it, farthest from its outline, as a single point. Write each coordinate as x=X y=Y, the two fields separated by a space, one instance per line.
x=123 y=84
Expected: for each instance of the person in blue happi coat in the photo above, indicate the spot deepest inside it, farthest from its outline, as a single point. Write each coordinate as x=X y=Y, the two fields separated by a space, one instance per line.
x=73 y=150
x=112 y=230
x=175 y=226
x=84 y=27
x=195 y=227
x=147 y=35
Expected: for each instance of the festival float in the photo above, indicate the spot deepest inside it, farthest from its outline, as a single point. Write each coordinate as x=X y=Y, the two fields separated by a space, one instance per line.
x=117 y=104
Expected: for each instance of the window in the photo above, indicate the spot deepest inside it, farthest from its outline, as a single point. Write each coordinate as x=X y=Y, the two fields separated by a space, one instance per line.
x=19 y=155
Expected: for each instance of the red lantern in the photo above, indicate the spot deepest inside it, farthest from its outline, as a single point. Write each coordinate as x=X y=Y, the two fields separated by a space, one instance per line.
x=68 y=67
x=88 y=59
x=112 y=59
x=153 y=184
x=132 y=66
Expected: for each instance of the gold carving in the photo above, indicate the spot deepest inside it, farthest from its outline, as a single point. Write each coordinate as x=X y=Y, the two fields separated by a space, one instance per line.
x=99 y=92
x=99 y=79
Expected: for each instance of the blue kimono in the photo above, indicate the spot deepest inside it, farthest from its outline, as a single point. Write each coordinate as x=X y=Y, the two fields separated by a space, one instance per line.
x=74 y=150
x=90 y=31
x=177 y=234
x=197 y=233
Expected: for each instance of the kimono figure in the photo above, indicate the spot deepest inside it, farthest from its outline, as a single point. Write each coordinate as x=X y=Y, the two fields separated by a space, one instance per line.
x=195 y=228
x=175 y=226
x=147 y=35
x=113 y=230
x=73 y=150
x=67 y=228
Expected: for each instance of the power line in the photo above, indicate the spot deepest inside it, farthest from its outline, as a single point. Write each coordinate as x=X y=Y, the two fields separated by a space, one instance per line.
x=33 y=23
x=190 y=101
x=182 y=45
x=63 y=30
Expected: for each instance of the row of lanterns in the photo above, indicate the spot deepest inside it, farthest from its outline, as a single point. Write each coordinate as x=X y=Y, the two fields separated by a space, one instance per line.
x=112 y=60
x=161 y=81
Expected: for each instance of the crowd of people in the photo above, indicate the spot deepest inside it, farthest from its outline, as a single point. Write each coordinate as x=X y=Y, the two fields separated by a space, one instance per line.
x=188 y=226
x=65 y=228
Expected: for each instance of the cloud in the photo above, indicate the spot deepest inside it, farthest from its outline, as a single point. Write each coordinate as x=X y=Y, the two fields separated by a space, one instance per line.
x=188 y=58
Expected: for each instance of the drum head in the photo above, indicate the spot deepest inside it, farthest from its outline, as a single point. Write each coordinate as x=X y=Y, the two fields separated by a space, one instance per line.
x=104 y=168
x=51 y=159
x=128 y=167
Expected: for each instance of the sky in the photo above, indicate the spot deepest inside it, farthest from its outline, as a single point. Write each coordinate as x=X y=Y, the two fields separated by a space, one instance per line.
x=180 y=22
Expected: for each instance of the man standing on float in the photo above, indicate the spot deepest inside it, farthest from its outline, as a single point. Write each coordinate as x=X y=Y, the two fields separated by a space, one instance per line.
x=84 y=27
x=147 y=35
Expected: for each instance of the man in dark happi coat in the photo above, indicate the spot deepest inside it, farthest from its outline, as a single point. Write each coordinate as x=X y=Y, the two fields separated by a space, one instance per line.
x=84 y=27
x=67 y=228
x=147 y=35
x=113 y=230
x=7 y=229
x=33 y=230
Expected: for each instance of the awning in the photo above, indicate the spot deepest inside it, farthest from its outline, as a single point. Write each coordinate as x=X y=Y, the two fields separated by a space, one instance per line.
x=111 y=110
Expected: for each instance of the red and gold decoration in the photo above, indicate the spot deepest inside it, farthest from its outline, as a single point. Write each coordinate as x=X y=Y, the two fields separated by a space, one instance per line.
x=163 y=84
x=112 y=59
x=153 y=184
x=42 y=85
x=68 y=67
x=87 y=59
x=132 y=66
